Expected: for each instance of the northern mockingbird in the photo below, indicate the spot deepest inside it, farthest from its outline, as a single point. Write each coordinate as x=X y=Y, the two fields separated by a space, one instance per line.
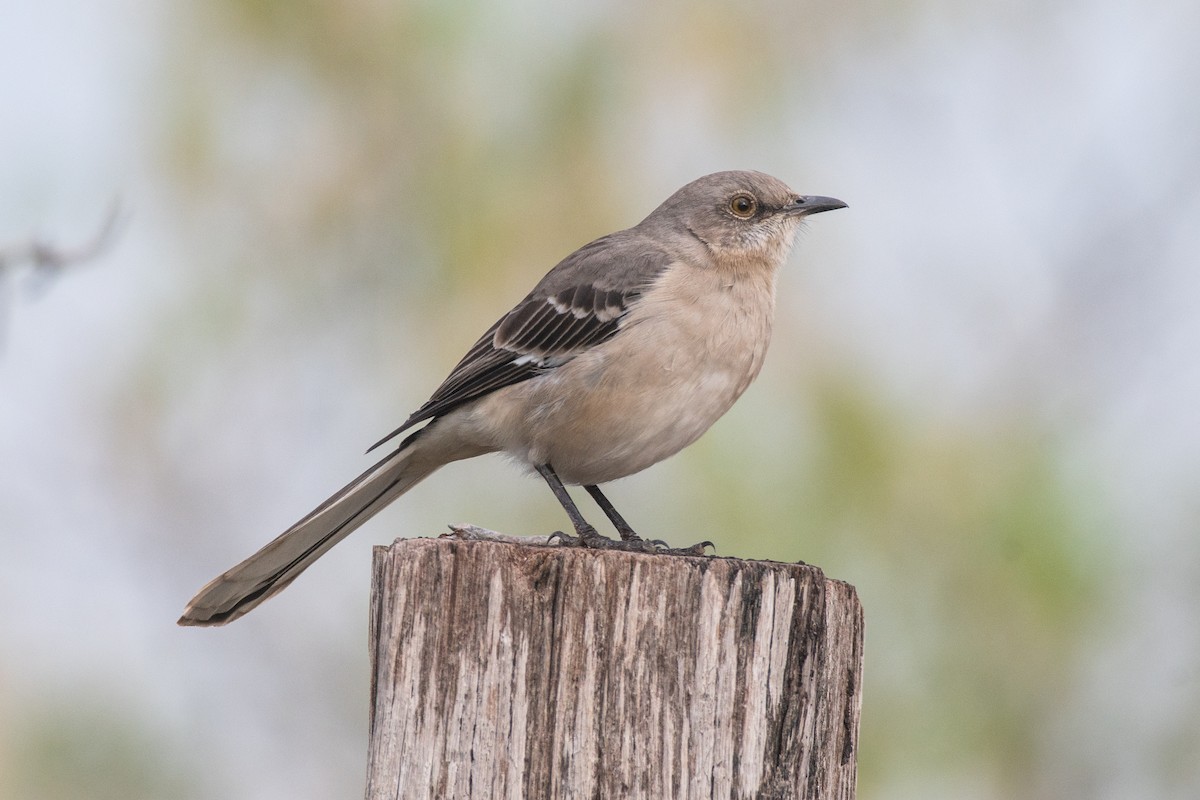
x=622 y=355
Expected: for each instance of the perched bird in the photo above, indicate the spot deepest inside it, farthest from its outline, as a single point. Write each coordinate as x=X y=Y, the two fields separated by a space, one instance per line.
x=622 y=355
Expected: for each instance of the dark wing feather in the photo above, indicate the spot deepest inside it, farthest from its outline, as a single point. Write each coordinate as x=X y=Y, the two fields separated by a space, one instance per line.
x=579 y=304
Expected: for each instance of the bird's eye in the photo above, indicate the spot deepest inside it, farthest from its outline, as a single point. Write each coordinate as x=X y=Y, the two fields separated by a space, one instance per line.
x=743 y=205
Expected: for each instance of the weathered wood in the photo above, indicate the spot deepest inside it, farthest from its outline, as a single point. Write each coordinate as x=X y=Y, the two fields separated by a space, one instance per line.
x=512 y=671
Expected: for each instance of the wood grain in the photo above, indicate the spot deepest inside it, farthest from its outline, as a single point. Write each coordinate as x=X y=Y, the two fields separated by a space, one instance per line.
x=514 y=671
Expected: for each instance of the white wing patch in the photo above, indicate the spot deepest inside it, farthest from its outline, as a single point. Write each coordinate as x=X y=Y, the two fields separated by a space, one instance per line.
x=565 y=307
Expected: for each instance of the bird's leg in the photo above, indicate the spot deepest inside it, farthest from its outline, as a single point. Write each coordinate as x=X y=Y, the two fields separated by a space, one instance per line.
x=627 y=533
x=585 y=532
x=587 y=536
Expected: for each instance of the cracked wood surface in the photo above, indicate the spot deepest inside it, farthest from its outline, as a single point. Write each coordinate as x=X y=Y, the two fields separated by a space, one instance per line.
x=514 y=671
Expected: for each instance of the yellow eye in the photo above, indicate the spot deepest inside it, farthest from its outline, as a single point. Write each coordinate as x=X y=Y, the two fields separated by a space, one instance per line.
x=743 y=205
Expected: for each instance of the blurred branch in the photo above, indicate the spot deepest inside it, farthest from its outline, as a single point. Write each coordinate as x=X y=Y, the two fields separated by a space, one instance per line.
x=46 y=260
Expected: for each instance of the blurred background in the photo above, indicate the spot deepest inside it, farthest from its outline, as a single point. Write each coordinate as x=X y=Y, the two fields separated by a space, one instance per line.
x=980 y=407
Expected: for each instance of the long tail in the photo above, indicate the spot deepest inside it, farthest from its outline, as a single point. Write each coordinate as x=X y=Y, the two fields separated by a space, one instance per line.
x=272 y=568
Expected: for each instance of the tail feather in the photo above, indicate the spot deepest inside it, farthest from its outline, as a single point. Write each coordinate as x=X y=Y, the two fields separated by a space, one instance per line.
x=271 y=569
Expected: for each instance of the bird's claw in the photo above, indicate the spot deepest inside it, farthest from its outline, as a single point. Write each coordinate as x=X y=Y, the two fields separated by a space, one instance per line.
x=698 y=549
x=560 y=538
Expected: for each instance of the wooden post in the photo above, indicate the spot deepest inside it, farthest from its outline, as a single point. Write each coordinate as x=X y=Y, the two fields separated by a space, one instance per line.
x=514 y=671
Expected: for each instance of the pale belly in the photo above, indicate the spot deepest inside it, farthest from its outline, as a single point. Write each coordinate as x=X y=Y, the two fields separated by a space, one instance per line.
x=616 y=430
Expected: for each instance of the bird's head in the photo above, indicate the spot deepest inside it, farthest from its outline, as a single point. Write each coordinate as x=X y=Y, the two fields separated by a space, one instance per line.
x=740 y=217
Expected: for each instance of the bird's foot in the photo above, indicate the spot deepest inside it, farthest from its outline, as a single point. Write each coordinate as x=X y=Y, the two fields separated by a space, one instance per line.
x=629 y=542
x=698 y=549
x=589 y=538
